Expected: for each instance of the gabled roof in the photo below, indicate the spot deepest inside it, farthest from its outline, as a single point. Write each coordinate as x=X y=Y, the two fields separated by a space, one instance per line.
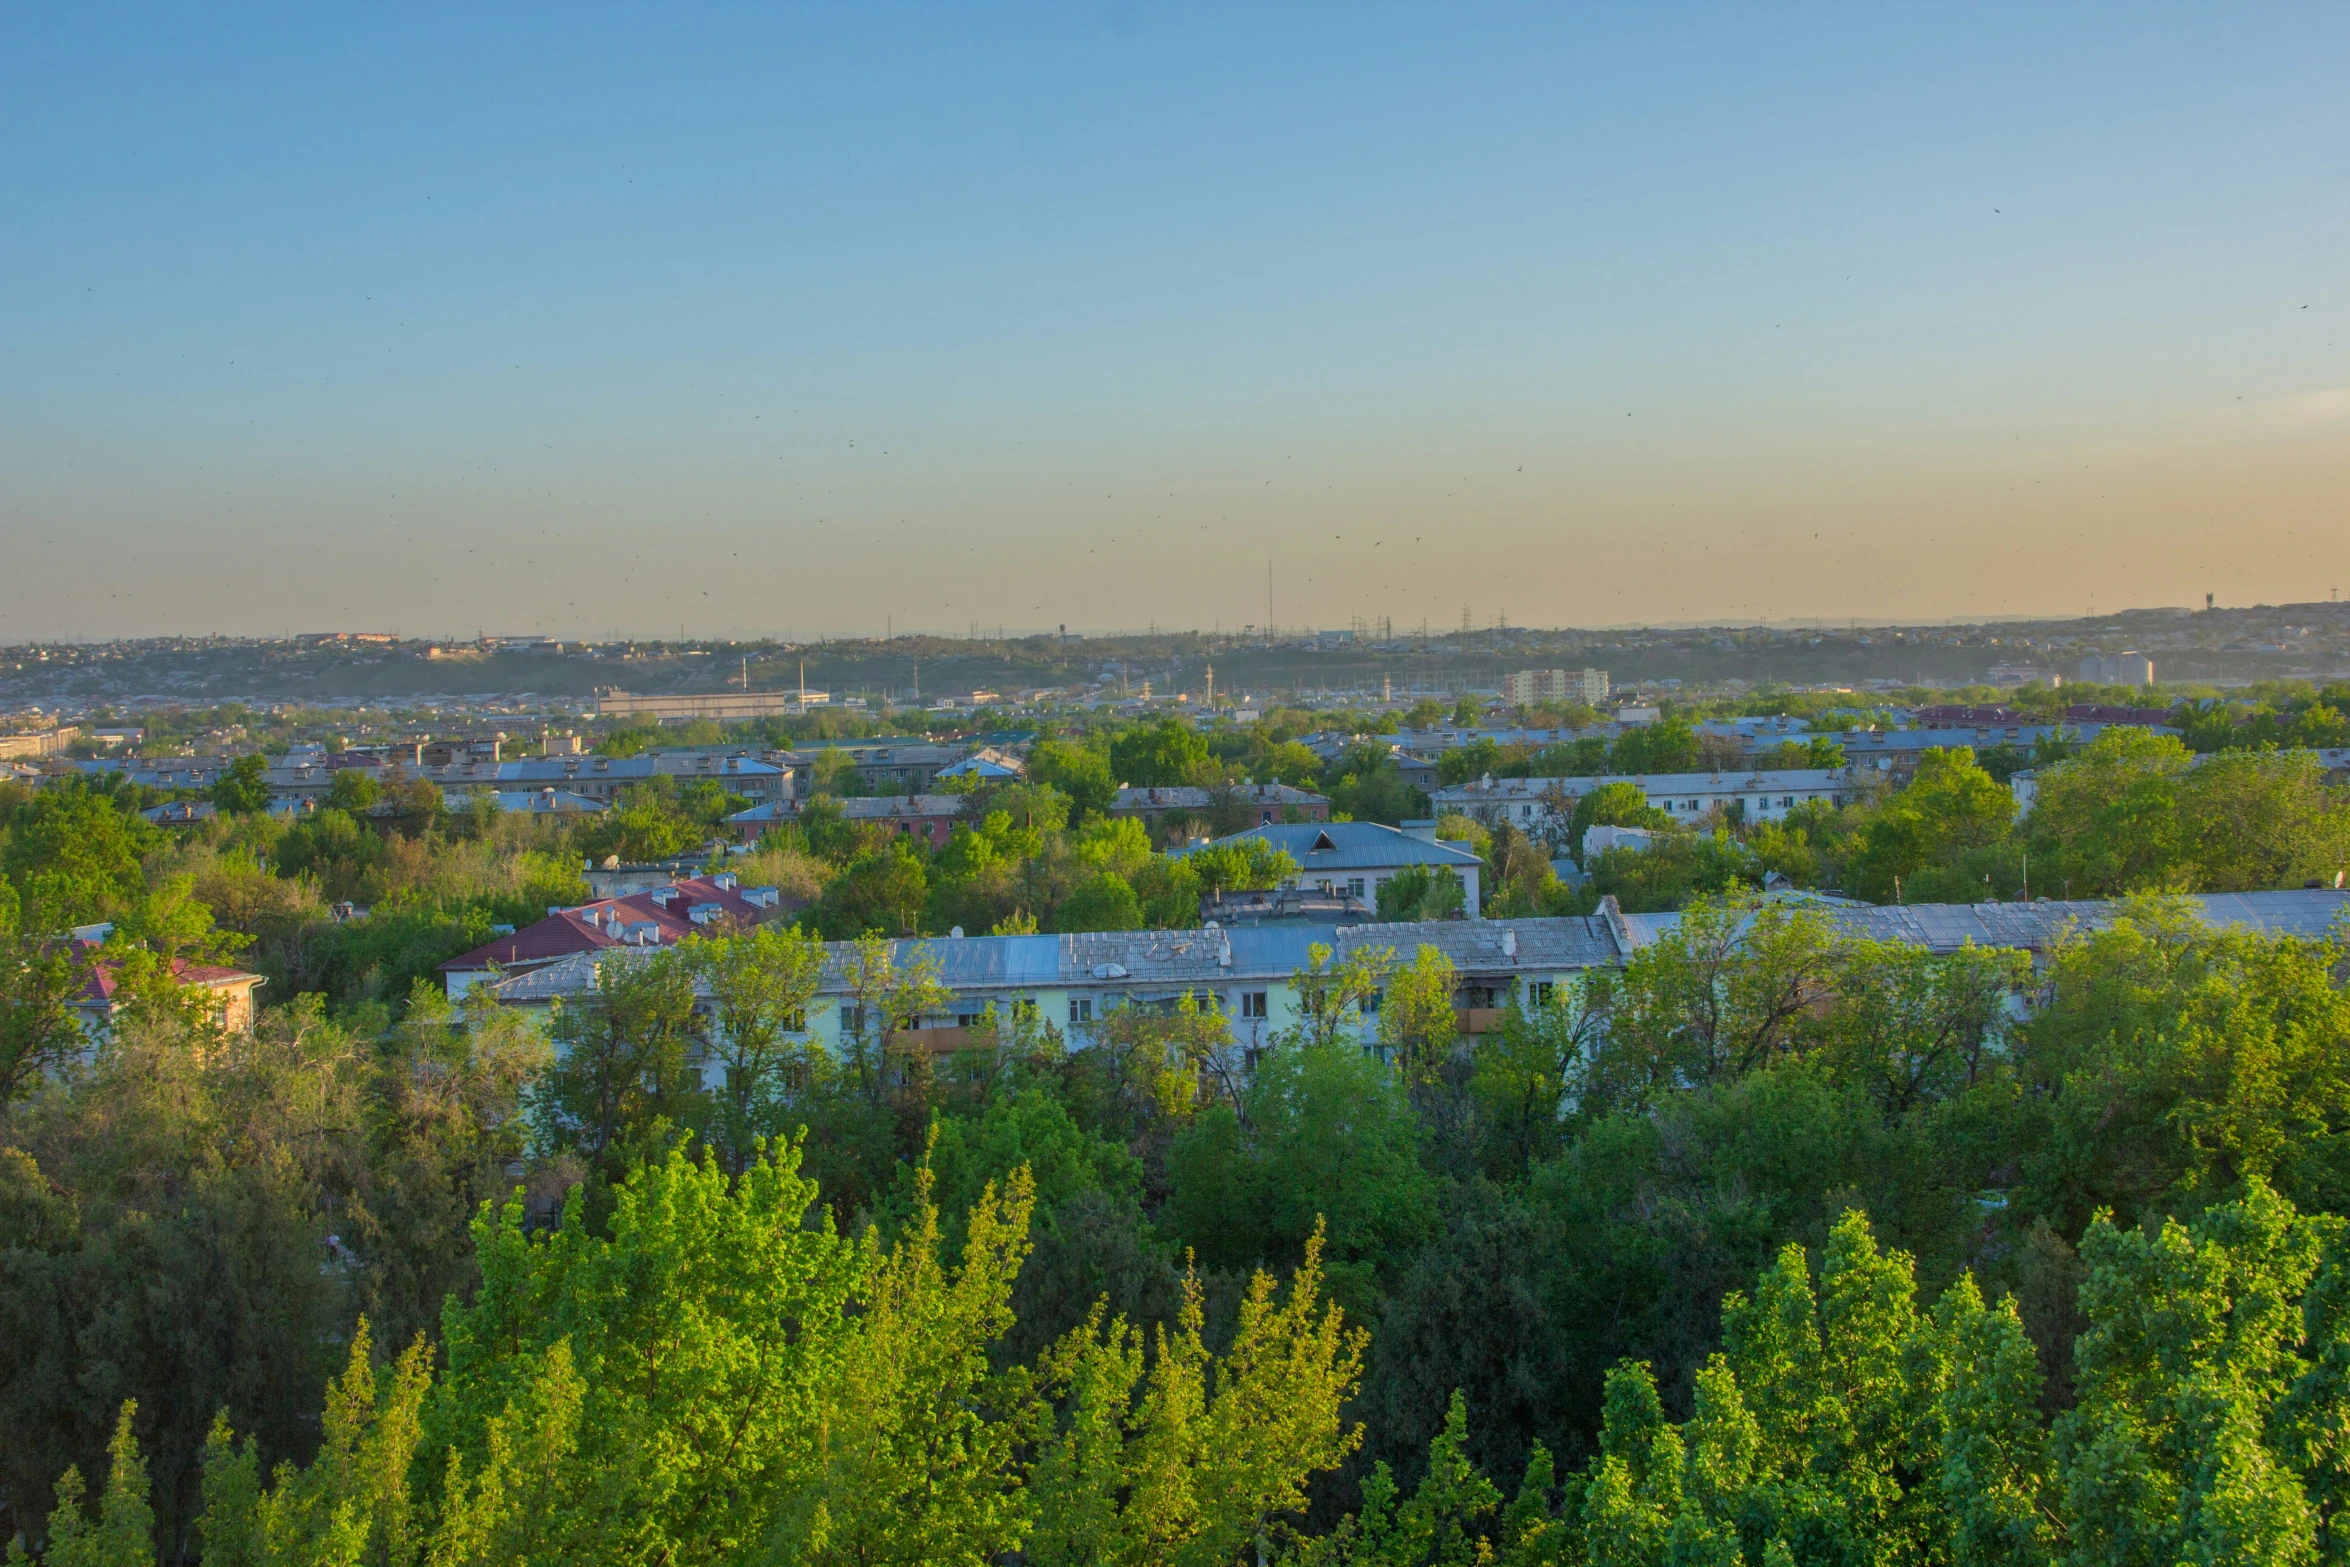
x=617 y=922
x=98 y=990
x=1353 y=846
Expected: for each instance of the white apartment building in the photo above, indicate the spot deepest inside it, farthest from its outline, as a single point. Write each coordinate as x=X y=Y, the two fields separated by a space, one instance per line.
x=1530 y=804
x=1528 y=686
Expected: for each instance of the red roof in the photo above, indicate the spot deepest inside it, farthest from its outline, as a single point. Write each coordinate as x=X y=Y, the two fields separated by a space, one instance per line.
x=101 y=985
x=615 y=922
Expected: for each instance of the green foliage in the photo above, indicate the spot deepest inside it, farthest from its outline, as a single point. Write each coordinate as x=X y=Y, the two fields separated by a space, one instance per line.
x=883 y=888
x=1365 y=786
x=1672 y=871
x=1667 y=746
x=761 y=984
x=73 y=856
x=621 y=1071
x=1196 y=1459
x=722 y=1377
x=1081 y=774
x=1169 y=752
x=123 y=1533
x=1321 y=1134
x=39 y=1036
x=354 y=789
x=1104 y=902
x=242 y=788
x=1423 y=892
x=1334 y=993
x=1241 y=864
x=1929 y=842
x=1614 y=805
x=2132 y=813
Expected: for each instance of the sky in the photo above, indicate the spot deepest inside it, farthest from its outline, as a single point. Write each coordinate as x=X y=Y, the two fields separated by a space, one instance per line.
x=829 y=321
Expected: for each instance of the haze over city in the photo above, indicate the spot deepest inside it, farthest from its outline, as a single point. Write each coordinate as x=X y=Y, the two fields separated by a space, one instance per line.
x=813 y=322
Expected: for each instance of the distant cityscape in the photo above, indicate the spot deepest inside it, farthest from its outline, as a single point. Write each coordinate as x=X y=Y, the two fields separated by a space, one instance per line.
x=43 y=685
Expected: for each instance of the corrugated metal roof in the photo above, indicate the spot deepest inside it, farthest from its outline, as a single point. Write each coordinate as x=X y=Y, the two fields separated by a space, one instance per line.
x=1790 y=779
x=1171 y=959
x=1485 y=946
x=2307 y=913
x=1353 y=846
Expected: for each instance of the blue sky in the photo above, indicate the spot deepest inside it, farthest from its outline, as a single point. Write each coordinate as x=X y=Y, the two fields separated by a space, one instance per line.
x=767 y=319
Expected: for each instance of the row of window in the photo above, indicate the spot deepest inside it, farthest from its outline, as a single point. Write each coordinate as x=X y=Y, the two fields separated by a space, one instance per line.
x=1255 y=1006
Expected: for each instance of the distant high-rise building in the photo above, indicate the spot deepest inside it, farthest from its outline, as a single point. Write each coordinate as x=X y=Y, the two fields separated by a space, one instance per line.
x=2119 y=669
x=1529 y=686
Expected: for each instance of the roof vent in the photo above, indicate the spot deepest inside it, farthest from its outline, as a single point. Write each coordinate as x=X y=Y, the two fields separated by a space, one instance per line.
x=1321 y=843
x=1109 y=971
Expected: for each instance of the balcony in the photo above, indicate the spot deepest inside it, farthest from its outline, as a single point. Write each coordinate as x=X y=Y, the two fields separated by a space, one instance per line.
x=938 y=1041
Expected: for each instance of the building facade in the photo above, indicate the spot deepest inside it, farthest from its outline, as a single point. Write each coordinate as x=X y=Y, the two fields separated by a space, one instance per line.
x=1528 y=686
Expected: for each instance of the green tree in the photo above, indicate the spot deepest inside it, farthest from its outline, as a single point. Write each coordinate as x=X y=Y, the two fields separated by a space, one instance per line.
x=2107 y=820
x=883 y=888
x=1667 y=746
x=1334 y=993
x=1365 y=785
x=621 y=1081
x=39 y=1035
x=761 y=982
x=1104 y=902
x=1320 y=1134
x=1418 y=1028
x=123 y=1533
x=354 y=789
x=242 y=789
x=1081 y=774
x=74 y=856
x=1929 y=840
x=1729 y=989
x=1614 y=805
x=1422 y=892
x=1162 y=754
x=2190 y=1348
x=1241 y=864
x=1188 y=1458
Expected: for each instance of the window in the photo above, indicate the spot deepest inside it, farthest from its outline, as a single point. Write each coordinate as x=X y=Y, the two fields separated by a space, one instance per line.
x=1479 y=997
x=1541 y=991
x=852 y=1020
x=1081 y=1009
x=1354 y=886
x=795 y=1022
x=1786 y=802
x=1252 y=1004
x=1372 y=1002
